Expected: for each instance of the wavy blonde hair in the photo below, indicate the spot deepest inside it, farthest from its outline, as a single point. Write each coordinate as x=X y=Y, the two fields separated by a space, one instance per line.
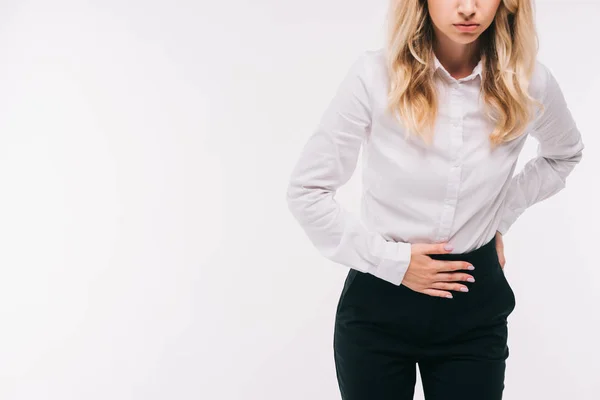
x=508 y=53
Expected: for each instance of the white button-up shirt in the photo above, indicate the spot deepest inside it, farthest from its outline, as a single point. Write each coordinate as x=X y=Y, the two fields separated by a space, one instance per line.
x=458 y=190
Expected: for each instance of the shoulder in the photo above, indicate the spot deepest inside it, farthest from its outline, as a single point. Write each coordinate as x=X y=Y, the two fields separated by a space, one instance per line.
x=376 y=56
x=555 y=116
x=374 y=60
x=543 y=83
x=370 y=66
x=369 y=60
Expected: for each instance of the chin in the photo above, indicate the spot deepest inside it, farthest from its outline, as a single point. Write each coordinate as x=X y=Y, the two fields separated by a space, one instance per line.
x=464 y=39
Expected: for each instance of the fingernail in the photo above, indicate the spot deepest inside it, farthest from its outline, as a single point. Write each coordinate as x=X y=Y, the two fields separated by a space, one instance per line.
x=449 y=296
x=464 y=289
x=471 y=279
x=448 y=247
x=471 y=267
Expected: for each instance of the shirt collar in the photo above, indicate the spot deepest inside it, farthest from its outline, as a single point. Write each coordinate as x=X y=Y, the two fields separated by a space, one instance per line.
x=477 y=71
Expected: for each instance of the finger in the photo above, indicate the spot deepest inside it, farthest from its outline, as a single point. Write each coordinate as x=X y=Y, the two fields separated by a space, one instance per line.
x=453 y=277
x=446 y=265
x=437 y=293
x=450 y=286
x=433 y=248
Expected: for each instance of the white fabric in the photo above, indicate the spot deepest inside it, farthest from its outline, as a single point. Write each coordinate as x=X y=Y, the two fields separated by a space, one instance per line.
x=459 y=190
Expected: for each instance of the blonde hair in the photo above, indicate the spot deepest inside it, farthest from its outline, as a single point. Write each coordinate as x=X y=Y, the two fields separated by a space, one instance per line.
x=508 y=55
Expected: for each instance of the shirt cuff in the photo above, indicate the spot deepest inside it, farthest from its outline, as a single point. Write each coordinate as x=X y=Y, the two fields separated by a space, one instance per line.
x=394 y=262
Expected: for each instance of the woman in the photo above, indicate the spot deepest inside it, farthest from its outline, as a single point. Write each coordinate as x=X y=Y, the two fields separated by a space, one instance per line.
x=441 y=114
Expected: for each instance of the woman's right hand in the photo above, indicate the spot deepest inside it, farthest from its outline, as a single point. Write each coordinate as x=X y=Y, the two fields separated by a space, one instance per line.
x=434 y=277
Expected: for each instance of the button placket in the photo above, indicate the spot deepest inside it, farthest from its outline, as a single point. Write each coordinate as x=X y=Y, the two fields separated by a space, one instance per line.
x=456 y=120
x=452 y=189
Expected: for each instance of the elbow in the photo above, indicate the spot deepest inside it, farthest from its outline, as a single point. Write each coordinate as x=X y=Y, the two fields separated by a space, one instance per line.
x=575 y=157
x=291 y=196
x=577 y=153
x=568 y=162
x=295 y=198
x=309 y=204
x=565 y=165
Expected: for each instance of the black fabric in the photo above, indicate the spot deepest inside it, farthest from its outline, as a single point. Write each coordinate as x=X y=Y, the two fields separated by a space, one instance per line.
x=383 y=332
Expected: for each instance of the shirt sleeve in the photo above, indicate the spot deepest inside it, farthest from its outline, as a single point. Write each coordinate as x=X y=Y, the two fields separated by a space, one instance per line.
x=327 y=162
x=559 y=150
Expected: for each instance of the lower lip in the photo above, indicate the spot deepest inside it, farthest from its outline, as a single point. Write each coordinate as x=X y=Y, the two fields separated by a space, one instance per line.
x=466 y=28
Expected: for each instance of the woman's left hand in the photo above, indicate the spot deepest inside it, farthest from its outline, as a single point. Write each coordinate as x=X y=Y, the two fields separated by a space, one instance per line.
x=500 y=249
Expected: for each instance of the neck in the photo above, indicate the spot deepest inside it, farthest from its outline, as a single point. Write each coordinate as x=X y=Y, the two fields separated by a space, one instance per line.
x=458 y=59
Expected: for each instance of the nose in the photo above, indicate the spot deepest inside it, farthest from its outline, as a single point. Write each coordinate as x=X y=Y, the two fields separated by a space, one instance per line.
x=467 y=7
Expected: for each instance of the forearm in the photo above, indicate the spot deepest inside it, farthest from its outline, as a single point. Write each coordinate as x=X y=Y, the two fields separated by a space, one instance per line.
x=541 y=178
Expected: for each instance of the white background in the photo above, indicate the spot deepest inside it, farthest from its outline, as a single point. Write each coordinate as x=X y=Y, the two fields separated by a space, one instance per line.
x=146 y=251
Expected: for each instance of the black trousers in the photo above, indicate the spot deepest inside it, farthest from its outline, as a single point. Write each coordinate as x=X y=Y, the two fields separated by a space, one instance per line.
x=383 y=331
